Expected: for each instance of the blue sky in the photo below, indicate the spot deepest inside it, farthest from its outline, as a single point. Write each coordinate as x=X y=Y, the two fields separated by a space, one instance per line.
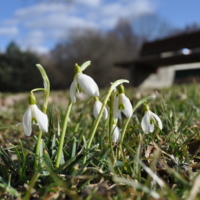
x=39 y=24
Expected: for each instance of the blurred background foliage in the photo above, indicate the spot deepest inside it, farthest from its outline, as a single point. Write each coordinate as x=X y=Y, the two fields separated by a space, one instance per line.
x=17 y=70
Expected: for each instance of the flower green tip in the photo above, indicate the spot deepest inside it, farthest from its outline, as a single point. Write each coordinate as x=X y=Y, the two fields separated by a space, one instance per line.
x=77 y=69
x=121 y=106
x=120 y=89
x=32 y=99
x=146 y=107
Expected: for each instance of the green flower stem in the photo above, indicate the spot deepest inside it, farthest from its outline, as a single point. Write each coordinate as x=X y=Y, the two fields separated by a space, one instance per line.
x=46 y=86
x=37 y=150
x=47 y=94
x=111 y=120
x=96 y=122
x=46 y=89
x=38 y=145
x=62 y=137
x=134 y=108
x=112 y=96
x=38 y=89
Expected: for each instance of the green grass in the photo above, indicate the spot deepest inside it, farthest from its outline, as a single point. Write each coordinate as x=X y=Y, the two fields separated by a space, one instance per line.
x=160 y=165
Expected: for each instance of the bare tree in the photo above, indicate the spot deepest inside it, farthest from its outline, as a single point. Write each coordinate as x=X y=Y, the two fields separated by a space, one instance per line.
x=126 y=33
x=103 y=49
x=150 y=27
x=187 y=29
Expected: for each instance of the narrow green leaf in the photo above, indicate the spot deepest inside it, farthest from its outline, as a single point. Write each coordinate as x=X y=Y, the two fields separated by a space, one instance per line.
x=59 y=182
x=187 y=121
x=73 y=153
x=136 y=185
x=31 y=185
x=44 y=76
x=65 y=165
x=85 y=65
x=47 y=159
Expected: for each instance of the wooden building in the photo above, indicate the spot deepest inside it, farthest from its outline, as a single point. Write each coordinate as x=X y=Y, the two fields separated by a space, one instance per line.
x=177 y=57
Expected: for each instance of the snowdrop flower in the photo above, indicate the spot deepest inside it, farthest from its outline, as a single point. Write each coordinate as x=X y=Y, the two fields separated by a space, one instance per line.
x=83 y=81
x=149 y=120
x=116 y=135
x=122 y=104
x=97 y=108
x=34 y=115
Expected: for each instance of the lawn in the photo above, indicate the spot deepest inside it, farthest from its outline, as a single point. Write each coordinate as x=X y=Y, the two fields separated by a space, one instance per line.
x=163 y=164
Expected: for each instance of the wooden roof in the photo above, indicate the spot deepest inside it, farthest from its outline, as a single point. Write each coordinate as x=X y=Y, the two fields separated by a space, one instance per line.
x=175 y=43
x=151 y=51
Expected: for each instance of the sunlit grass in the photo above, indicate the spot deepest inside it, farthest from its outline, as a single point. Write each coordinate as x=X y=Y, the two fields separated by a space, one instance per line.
x=159 y=165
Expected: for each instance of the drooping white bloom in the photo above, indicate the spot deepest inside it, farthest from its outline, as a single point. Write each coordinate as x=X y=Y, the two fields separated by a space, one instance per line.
x=34 y=115
x=97 y=108
x=149 y=120
x=116 y=134
x=122 y=104
x=86 y=83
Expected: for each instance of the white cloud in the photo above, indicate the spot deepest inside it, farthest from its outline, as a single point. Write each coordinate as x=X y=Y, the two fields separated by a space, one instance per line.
x=110 y=13
x=37 y=12
x=91 y=3
x=128 y=8
x=8 y=31
x=33 y=41
x=108 y=23
x=36 y=48
x=142 y=7
x=58 y=34
x=112 y=9
x=59 y=21
x=41 y=9
x=40 y=49
x=34 y=38
x=60 y=15
x=52 y=21
x=9 y=22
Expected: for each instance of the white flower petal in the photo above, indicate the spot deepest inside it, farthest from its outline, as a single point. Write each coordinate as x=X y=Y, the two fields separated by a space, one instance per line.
x=151 y=127
x=97 y=108
x=116 y=134
x=73 y=91
x=96 y=94
x=105 y=113
x=88 y=84
x=128 y=107
x=27 y=122
x=41 y=118
x=145 y=124
x=158 y=120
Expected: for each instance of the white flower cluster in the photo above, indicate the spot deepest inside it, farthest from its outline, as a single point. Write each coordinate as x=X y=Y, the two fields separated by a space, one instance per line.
x=122 y=104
